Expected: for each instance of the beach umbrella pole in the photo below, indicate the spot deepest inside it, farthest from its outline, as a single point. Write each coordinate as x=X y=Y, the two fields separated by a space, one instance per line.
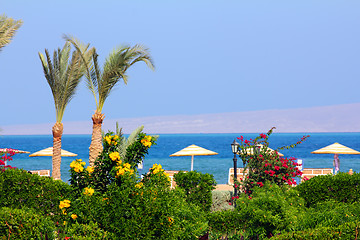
x=192 y=162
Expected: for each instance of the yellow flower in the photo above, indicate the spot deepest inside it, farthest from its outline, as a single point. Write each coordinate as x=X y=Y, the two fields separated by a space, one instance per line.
x=77 y=165
x=167 y=176
x=64 y=222
x=112 y=140
x=127 y=166
x=139 y=185
x=88 y=191
x=90 y=169
x=64 y=212
x=114 y=156
x=64 y=204
x=156 y=168
x=74 y=216
x=171 y=220
x=108 y=139
x=120 y=171
x=146 y=141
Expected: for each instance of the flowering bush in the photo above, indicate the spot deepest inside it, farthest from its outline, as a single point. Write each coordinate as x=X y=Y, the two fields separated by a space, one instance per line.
x=157 y=177
x=6 y=155
x=116 y=163
x=264 y=164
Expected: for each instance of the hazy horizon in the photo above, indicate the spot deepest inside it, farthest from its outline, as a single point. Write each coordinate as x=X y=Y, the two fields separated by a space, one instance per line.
x=336 y=118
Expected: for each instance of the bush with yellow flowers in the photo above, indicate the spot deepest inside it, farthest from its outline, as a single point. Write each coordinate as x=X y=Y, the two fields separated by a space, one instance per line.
x=116 y=198
x=81 y=176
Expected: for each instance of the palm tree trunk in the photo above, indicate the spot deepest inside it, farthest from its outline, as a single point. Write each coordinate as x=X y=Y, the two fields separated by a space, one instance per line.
x=57 y=132
x=96 y=146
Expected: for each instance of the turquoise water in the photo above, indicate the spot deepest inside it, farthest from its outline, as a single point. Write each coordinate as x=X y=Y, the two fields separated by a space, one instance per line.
x=218 y=165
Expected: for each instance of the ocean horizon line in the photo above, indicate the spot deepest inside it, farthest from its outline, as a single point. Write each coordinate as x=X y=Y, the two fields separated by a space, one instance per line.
x=190 y=133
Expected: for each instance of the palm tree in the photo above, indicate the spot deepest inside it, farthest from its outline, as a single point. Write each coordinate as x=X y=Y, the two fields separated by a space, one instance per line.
x=63 y=76
x=8 y=27
x=101 y=82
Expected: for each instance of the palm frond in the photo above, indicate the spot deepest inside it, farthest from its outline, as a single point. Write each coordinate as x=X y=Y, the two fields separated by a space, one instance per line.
x=63 y=76
x=116 y=65
x=8 y=28
x=87 y=55
x=130 y=140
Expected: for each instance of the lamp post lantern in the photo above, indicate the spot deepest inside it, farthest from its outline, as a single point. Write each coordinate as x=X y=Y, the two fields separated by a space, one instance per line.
x=235 y=148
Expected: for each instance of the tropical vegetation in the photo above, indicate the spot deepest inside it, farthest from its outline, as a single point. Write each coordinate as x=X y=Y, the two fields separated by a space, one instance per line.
x=8 y=28
x=111 y=201
x=63 y=75
x=101 y=81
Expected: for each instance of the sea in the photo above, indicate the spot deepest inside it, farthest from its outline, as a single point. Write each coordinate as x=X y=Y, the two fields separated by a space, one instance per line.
x=167 y=144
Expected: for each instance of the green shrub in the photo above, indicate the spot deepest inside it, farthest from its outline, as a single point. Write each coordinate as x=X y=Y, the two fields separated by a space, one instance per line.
x=225 y=223
x=328 y=214
x=24 y=224
x=346 y=231
x=89 y=231
x=270 y=210
x=341 y=187
x=197 y=186
x=147 y=212
x=19 y=189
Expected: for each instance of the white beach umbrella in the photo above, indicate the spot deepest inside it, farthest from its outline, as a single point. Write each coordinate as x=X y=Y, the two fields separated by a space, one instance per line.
x=49 y=152
x=6 y=150
x=336 y=149
x=192 y=151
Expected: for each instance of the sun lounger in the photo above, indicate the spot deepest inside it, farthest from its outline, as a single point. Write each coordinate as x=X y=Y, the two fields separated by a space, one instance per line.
x=240 y=172
x=45 y=172
x=312 y=172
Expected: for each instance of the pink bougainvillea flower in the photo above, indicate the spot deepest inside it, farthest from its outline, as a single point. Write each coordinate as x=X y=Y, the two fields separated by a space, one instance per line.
x=260 y=184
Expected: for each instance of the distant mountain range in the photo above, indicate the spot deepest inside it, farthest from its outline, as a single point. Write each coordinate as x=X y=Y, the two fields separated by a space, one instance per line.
x=337 y=118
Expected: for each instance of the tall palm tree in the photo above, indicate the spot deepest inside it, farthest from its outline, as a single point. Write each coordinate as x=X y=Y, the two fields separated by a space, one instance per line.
x=101 y=82
x=63 y=76
x=8 y=27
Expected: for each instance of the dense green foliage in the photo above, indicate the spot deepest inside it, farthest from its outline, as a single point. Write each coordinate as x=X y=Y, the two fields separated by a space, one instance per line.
x=197 y=187
x=25 y=223
x=346 y=231
x=20 y=189
x=113 y=195
x=341 y=187
x=127 y=206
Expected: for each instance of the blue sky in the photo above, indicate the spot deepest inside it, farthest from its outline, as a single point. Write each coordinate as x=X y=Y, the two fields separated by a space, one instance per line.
x=210 y=56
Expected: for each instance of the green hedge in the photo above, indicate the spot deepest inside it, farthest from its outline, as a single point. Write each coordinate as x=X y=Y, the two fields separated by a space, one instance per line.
x=341 y=187
x=225 y=223
x=197 y=186
x=347 y=231
x=146 y=213
x=89 y=231
x=24 y=224
x=19 y=189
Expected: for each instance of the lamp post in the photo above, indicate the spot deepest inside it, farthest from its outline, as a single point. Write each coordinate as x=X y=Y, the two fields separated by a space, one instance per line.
x=257 y=149
x=235 y=149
